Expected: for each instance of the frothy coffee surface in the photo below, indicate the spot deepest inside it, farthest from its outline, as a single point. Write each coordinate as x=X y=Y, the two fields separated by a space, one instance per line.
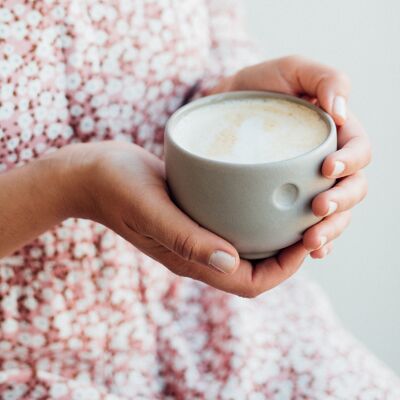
x=251 y=131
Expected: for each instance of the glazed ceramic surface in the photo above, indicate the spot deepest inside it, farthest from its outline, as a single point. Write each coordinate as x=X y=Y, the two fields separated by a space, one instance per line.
x=260 y=208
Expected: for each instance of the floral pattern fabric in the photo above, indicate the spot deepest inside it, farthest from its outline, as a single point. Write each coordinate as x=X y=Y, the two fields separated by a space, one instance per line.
x=84 y=315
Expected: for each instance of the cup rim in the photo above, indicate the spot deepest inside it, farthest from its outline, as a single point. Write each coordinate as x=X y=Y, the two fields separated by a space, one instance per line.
x=242 y=95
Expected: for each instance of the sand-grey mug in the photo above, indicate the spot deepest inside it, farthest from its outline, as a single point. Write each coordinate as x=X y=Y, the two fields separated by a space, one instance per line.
x=260 y=208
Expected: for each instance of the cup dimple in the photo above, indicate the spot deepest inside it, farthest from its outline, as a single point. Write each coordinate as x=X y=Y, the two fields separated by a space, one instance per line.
x=286 y=195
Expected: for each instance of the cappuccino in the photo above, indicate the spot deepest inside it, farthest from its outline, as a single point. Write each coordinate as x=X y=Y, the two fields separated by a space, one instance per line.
x=251 y=130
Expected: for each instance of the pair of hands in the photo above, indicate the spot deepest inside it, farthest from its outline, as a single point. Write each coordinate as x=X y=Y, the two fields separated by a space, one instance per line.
x=123 y=187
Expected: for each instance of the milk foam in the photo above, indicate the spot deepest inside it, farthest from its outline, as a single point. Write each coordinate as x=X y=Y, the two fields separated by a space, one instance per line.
x=251 y=131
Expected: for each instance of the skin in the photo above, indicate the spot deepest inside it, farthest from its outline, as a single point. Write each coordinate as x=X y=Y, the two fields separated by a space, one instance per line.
x=123 y=187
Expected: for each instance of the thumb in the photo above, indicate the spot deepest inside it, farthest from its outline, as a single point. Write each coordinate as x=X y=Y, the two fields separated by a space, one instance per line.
x=168 y=225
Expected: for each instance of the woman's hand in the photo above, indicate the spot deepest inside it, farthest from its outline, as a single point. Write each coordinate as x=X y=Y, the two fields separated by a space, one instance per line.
x=123 y=187
x=329 y=89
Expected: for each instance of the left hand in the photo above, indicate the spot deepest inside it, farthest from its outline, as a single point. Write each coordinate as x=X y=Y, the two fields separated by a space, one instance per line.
x=330 y=89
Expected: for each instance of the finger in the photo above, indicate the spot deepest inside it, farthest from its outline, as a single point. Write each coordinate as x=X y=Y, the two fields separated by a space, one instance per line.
x=323 y=251
x=169 y=226
x=272 y=271
x=343 y=196
x=329 y=85
x=354 y=153
x=246 y=281
x=251 y=281
x=312 y=100
x=239 y=282
x=326 y=230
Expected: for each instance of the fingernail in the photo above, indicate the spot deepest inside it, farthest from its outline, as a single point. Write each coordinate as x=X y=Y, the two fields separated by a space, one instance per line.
x=332 y=208
x=322 y=242
x=339 y=107
x=338 y=168
x=324 y=252
x=222 y=261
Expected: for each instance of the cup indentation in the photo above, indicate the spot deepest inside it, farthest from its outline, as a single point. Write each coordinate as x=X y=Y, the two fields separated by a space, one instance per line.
x=286 y=195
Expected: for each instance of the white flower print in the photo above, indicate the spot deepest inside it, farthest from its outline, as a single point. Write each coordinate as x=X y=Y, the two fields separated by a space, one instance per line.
x=6 y=111
x=15 y=61
x=41 y=323
x=5 y=15
x=94 y=85
x=75 y=60
x=63 y=322
x=38 y=128
x=73 y=81
x=13 y=143
x=40 y=114
x=67 y=132
x=58 y=13
x=80 y=96
x=86 y=125
x=34 y=87
x=114 y=86
x=43 y=50
x=10 y=326
x=6 y=68
x=76 y=110
x=5 y=31
x=25 y=120
x=46 y=73
x=23 y=105
x=19 y=9
x=33 y=18
x=26 y=154
x=6 y=91
x=45 y=98
x=31 y=69
x=100 y=37
x=18 y=30
x=58 y=390
x=60 y=82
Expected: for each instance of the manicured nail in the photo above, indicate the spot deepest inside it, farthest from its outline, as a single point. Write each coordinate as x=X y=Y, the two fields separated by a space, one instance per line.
x=322 y=242
x=324 y=252
x=338 y=168
x=332 y=208
x=222 y=261
x=339 y=107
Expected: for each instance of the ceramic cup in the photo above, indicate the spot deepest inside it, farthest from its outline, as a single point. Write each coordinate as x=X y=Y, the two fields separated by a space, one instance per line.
x=260 y=208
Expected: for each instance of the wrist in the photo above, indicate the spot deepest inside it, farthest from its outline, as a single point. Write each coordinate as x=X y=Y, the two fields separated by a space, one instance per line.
x=63 y=174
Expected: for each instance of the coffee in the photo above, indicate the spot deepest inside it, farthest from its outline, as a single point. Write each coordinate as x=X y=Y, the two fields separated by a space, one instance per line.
x=251 y=130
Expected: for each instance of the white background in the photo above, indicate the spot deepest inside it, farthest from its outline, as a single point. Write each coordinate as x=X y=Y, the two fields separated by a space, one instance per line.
x=362 y=38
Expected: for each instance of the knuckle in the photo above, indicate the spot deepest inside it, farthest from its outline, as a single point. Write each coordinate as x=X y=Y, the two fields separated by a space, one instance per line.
x=311 y=235
x=344 y=78
x=366 y=189
x=341 y=76
x=293 y=59
x=369 y=153
x=345 y=222
x=331 y=195
x=349 y=218
x=338 y=194
x=363 y=184
x=250 y=292
x=185 y=245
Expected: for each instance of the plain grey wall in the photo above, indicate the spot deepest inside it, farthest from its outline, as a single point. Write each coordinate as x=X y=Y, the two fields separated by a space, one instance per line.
x=361 y=37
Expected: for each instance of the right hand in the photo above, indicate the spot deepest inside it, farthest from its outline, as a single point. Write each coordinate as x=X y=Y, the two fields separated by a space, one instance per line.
x=123 y=187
